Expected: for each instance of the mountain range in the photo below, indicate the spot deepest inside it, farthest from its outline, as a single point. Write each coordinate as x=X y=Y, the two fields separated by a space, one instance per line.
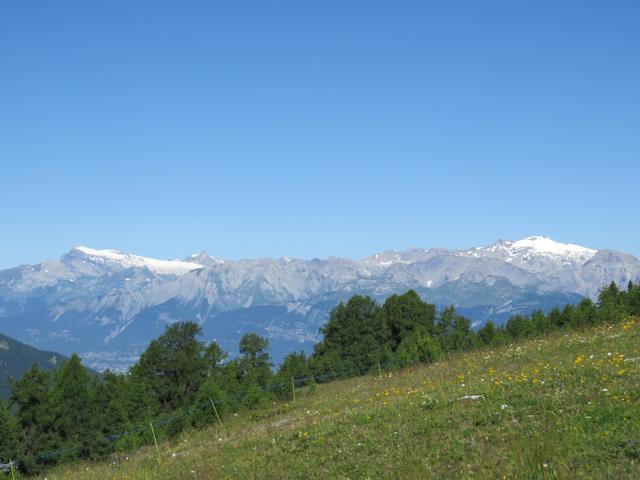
x=107 y=305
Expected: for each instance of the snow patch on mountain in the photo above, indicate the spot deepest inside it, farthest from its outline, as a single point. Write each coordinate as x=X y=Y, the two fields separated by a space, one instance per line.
x=535 y=253
x=538 y=244
x=394 y=257
x=126 y=260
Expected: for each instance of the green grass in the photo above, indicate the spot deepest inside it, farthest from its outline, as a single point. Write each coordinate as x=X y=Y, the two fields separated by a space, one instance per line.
x=564 y=406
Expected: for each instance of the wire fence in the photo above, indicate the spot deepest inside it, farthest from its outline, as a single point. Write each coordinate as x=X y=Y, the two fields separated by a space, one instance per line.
x=349 y=372
x=209 y=404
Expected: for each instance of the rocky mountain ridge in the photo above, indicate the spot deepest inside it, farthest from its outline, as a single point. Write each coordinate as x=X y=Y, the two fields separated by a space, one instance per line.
x=107 y=304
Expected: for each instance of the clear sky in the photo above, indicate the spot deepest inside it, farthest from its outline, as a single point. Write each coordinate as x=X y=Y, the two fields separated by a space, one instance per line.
x=310 y=129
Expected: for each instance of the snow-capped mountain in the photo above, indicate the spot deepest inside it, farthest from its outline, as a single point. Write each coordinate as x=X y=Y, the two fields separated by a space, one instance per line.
x=107 y=304
x=104 y=260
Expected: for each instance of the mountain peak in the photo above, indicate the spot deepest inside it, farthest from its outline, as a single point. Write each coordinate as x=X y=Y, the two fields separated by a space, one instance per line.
x=107 y=258
x=535 y=248
x=545 y=245
x=203 y=258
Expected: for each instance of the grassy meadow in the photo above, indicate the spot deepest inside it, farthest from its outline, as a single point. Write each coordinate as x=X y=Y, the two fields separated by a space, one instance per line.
x=562 y=406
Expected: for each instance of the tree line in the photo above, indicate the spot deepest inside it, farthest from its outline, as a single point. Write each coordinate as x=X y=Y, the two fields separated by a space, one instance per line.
x=76 y=413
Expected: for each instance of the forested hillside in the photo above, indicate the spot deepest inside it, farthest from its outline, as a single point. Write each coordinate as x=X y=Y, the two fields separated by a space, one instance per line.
x=559 y=406
x=182 y=383
x=16 y=358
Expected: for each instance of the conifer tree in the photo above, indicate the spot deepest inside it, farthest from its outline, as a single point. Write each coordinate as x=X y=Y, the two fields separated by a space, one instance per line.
x=295 y=366
x=72 y=406
x=403 y=314
x=556 y=318
x=610 y=303
x=454 y=330
x=567 y=314
x=34 y=417
x=633 y=301
x=355 y=335
x=173 y=365
x=487 y=333
x=110 y=409
x=519 y=326
x=419 y=346
x=141 y=406
x=8 y=435
x=253 y=369
x=585 y=313
x=212 y=388
x=541 y=323
x=214 y=356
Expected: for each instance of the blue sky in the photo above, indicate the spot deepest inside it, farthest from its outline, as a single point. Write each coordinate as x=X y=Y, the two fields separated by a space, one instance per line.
x=316 y=128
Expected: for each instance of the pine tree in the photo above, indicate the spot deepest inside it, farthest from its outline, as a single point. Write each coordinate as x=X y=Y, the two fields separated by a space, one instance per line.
x=487 y=333
x=540 y=323
x=519 y=327
x=355 y=337
x=295 y=366
x=253 y=369
x=173 y=366
x=419 y=346
x=501 y=337
x=585 y=313
x=567 y=314
x=462 y=337
x=214 y=356
x=141 y=406
x=73 y=409
x=8 y=435
x=454 y=331
x=611 y=304
x=110 y=410
x=445 y=322
x=211 y=390
x=556 y=318
x=327 y=363
x=610 y=294
x=633 y=301
x=403 y=314
x=34 y=417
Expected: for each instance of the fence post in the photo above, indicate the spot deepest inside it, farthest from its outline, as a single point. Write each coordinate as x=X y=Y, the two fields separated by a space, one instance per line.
x=215 y=410
x=379 y=369
x=155 y=440
x=13 y=474
x=293 y=389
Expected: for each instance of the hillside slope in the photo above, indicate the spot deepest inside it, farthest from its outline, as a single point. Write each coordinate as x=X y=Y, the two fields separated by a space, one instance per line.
x=16 y=358
x=564 y=406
